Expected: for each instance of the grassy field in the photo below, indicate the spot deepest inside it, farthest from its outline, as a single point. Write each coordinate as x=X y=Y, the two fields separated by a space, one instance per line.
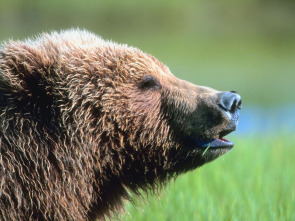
x=255 y=181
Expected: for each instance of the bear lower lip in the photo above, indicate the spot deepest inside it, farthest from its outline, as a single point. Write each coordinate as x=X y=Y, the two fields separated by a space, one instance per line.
x=215 y=143
x=194 y=142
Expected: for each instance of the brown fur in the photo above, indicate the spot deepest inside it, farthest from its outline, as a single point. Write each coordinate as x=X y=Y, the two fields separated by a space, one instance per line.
x=79 y=126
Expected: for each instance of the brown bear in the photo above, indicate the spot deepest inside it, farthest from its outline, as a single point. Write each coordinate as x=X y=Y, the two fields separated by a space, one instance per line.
x=85 y=121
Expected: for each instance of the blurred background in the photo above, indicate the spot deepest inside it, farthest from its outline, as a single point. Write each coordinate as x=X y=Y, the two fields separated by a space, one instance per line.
x=246 y=45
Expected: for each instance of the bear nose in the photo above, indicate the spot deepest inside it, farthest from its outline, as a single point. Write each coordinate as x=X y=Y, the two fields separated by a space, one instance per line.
x=230 y=101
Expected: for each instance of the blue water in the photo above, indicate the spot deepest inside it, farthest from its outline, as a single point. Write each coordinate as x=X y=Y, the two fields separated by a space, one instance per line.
x=257 y=120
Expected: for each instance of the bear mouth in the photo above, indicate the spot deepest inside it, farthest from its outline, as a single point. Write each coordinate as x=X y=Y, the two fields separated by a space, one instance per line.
x=219 y=142
x=215 y=143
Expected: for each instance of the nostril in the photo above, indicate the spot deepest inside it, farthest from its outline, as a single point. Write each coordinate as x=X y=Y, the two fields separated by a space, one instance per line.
x=233 y=106
x=239 y=106
x=230 y=101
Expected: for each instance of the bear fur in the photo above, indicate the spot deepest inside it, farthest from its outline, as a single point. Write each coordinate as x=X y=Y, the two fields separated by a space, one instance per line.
x=83 y=121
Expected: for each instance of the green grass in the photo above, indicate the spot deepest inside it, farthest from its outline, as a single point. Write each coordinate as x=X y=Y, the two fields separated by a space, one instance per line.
x=255 y=181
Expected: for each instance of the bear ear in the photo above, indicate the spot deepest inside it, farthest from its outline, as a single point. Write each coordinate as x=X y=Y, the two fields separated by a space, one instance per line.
x=149 y=83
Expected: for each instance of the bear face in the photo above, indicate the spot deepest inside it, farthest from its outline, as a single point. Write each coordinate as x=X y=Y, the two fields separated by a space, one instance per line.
x=85 y=120
x=185 y=117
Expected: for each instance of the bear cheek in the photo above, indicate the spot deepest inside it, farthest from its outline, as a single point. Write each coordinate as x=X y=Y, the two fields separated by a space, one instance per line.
x=177 y=108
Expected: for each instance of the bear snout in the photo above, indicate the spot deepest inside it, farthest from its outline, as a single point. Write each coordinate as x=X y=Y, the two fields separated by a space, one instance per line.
x=230 y=103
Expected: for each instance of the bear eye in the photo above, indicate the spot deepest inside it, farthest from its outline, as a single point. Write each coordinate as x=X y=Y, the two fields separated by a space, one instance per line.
x=149 y=82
